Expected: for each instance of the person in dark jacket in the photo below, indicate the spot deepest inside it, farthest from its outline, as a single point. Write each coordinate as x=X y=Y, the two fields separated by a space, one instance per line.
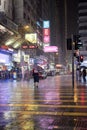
x=84 y=75
x=36 y=76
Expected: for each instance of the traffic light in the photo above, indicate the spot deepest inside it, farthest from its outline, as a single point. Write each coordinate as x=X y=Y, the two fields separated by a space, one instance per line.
x=76 y=39
x=78 y=43
x=81 y=58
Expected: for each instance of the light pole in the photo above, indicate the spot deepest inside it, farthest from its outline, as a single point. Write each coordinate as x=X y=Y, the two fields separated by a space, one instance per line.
x=73 y=48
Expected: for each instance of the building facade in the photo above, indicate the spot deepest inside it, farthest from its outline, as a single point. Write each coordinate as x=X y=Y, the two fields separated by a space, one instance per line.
x=57 y=18
x=26 y=12
x=82 y=21
x=71 y=24
x=6 y=7
x=2 y=5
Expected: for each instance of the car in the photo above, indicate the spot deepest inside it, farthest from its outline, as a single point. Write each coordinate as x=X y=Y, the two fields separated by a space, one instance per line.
x=42 y=75
x=51 y=73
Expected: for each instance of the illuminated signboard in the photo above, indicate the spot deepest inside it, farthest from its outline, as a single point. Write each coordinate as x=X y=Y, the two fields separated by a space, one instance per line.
x=26 y=58
x=25 y=46
x=46 y=39
x=46 y=24
x=6 y=48
x=32 y=47
x=4 y=58
x=32 y=37
x=29 y=46
x=46 y=32
x=50 y=49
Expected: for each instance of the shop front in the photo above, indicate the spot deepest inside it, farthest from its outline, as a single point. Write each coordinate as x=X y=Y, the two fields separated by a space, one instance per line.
x=5 y=64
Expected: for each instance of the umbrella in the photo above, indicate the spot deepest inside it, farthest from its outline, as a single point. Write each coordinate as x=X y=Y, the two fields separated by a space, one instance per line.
x=83 y=64
x=83 y=67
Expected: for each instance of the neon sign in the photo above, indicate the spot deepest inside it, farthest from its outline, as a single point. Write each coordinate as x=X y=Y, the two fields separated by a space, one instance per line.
x=29 y=46
x=50 y=49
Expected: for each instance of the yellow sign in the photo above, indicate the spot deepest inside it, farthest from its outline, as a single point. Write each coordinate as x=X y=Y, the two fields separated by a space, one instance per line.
x=31 y=37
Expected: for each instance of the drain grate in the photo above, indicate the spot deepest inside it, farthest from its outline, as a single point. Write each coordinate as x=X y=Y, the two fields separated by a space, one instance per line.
x=81 y=124
x=66 y=122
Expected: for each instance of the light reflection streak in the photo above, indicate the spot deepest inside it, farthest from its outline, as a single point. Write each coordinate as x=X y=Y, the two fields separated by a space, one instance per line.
x=9 y=114
x=30 y=107
x=27 y=125
x=50 y=96
x=83 y=97
x=76 y=95
x=27 y=122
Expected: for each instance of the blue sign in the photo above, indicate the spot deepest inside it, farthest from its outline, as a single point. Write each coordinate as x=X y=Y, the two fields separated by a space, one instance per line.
x=46 y=24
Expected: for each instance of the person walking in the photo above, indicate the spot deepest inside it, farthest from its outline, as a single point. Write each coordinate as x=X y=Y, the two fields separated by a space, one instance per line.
x=80 y=75
x=84 y=75
x=36 y=76
x=77 y=74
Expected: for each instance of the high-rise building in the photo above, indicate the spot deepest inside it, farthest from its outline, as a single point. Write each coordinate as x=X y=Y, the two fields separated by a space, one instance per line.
x=57 y=18
x=63 y=17
x=6 y=7
x=24 y=12
x=82 y=21
x=71 y=25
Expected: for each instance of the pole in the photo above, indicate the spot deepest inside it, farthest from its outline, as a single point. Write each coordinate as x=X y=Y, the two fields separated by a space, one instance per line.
x=73 y=48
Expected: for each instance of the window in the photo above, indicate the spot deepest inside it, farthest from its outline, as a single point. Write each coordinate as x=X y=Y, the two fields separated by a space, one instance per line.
x=4 y=4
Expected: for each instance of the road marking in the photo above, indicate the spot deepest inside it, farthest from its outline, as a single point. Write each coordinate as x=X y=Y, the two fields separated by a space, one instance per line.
x=58 y=100
x=58 y=95
x=75 y=114
x=43 y=105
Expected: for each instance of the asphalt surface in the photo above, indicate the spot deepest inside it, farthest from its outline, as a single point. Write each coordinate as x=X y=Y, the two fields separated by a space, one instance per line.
x=54 y=105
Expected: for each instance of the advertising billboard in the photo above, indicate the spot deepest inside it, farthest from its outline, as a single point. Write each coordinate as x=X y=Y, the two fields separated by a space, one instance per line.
x=46 y=39
x=46 y=31
x=4 y=58
x=46 y=24
x=50 y=49
x=31 y=37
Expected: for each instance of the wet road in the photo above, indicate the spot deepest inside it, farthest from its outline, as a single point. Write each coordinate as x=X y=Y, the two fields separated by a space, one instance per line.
x=54 y=105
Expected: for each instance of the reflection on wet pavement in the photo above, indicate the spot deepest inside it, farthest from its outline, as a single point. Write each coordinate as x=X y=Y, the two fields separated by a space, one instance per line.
x=54 y=105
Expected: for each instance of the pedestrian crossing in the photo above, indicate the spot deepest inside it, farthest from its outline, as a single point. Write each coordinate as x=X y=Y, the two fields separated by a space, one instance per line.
x=55 y=108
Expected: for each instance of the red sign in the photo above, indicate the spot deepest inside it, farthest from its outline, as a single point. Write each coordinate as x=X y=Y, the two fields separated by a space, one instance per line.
x=25 y=46
x=29 y=46
x=4 y=47
x=32 y=47
x=46 y=32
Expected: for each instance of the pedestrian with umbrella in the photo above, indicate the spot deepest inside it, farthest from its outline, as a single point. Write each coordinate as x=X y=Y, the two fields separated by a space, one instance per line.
x=84 y=74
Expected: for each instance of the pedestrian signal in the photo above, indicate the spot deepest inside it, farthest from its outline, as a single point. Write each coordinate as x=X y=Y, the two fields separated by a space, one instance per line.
x=81 y=58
